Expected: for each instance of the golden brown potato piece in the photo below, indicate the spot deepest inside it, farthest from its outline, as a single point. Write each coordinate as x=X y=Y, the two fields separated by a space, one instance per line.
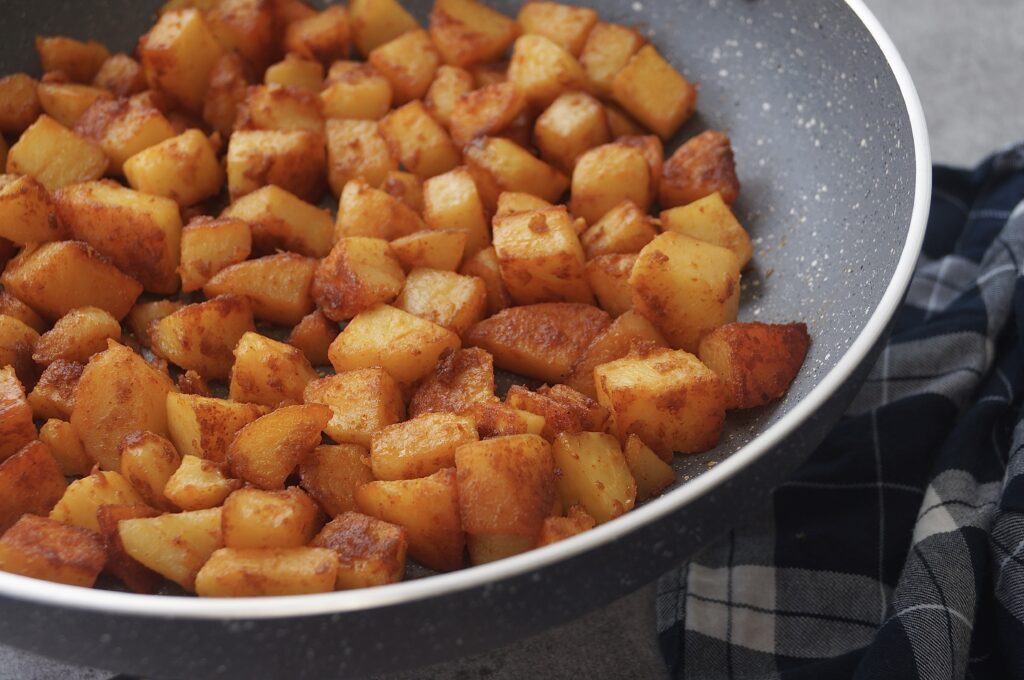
x=654 y=92
x=356 y=91
x=626 y=228
x=293 y=160
x=466 y=31
x=229 y=82
x=450 y=83
x=314 y=335
x=613 y=343
x=451 y=201
x=428 y=510
x=84 y=496
x=653 y=150
x=176 y=546
x=183 y=169
x=77 y=336
x=441 y=250
x=278 y=286
x=362 y=401
x=421 y=446
x=19 y=103
x=701 y=166
x=539 y=341
x=356 y=150
x=178 y=56
x=365 y=211
x=26 y=211
x=322 y=37
x=54 y=395
x=451 y=300
x=31 y=482
x=190 y=382
x=121 y=75
x=199 y=484
x=375 y=22
x=571 y=126
x=66 y=102
x=204 y=427
x=406 y=187
x=66 y=447
x=294 y=71
x=209 y=245
x=608 y=276
x=408 y=62
x=757 y=362
x=686 y=287
x=606 y=176
x=485 y=265
x=48 y=550
x=567 y=25
x=560 y=528
x=332 y=473
x=17 y=345
x=418 y=141
x=278 y=107
x=268 y=449
x=15 y=308
x=247 y=27
x=501 y=420
x=234 y=572
x=710 y=219
x=370 y=552
x=485 y=112
x=499 y=164
x=55 y=155
x=592 y=472
x=253 y=518
x=145 y=313
x=118 y=393
x=460 y=379
x=125 y=127
x=79 y=61
x=542 y=69
x=563 y=408
x=514 y=202
x=202 y=336
x=138 y=578
x=282 y=221
x=358 y=273
x=268 y=372
x=607 y=50
x=652 y=474
x=148 y=461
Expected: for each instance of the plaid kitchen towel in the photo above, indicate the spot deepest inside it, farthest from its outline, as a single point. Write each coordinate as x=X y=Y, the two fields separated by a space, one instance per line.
x=897 y=551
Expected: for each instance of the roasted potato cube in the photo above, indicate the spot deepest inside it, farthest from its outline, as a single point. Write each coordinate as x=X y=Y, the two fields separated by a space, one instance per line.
x=489 y=72
x=485 y=266
x=248 y=28
x=461 y=379
x=362 y=401
x=268 y=372
x=408 y=62
x=26 y=211
x=294 y=71
x=199 y=484
x=66 y=102
x=119 y=392
x=451 y=201
x=138 y=578
x=76 y=336
x=125 y=127
x=209 y=245
x=183 y=169
x=539 y=341
x=485 y=112
x=757 y=362
x=190 y=382
x=120 y=75
x=654 y=92
x=31 y=482
x=441 y=250
x=421 y=446
x=281 y=220
x=606 y=176
x=322 y=37
x=365 y=211
x=356 y=150
x=176 y=546
x=563 y=408
x=450 y=83
x=567 y=25
x=276 y=107
x=653 y=150
x=541 y=258
x=229 y=83
x=202 y=336
x=451 y=300
x=268 y=449
x=592 y=472
x=359 y=92
x=141 y=234
x=277 y=286
x=467 y=31
x=652 y=474
x=79 y=61
x=406 y=187
x=55 y=155
x=313 y=335
x=293 y=160
x=613 y=343
x=560 y=528
x=332 y=473
x=502 y=420
x=19 y=103
x=501 y=165
x=404 y=345
x=686 y=287
x=571 y=126
x=48 y=550
x=418 y=141
x=58 y=277
x=145 y=313
x=370 y=552
x=710 y=219
x=17 y=347
x=620 y=124
x=626 y=228
x=254 y=518
x=428 y=510
x=204 y=427
x=288 y=11
x=66 y=448
x=15 y=308
x=84 y=496
x=178 y=55
x=375 y=22
x=234 y=572
x=54 y=395
x=358 y=273
x=148 y=461
x=607 y=50
x=701 y=166
x=542 y=69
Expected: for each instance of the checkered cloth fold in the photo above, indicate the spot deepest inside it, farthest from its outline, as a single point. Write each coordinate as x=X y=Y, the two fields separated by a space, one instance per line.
x=897 y=550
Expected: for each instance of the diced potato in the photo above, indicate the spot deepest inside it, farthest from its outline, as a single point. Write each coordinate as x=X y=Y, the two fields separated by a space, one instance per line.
x=467 y=31
x=502 y=420
x=55 y=155
x=313 y=335
x=125 y=127
x=408 y=62
x=701 y=166
x=592 y=472
x=501 y=165
x=573 y=124
x=31 y=482
x=84 y=496
x=79 y=61
x=294 y=71
x=541 y=258
x=204 y=427
x=567 y=25
x=281 y=220
x=428 y=510
x=277 y=107
x=66 y=448
x=421 y=446
x=653 y=150
x=15 y=308
x=654 y=92
x=757 y=362
x=121 y=75
x=608 y=49
x=233 y=572
x=563 y=408
x=332 y=473
x=356 y=150
x=375 y=22
x=461 y=379
x=253 y=518
x=485 y=266
x=406 y=187
x=418 y=141
x=66 y=102
x=710 y=219
x=209 y=245
x=17 y=346
x=141 y=234
x=358 y=273
x=268 y=372
x=560 y=528
x=485 y=112
x=441 y=250
x=145 y=313
x=119 y=392
x=229 y=82
x=451 y=300
x=451 y=201
x=489 y=72
x=26 y=211
x=626 y=228
x=19 y=103
x=365 y=211
x=48 y=550
x=199 y=484
x=613 y=343
x=202 y=336
x=190 y=382
x=178 y=55
x=652 y=474
x=183 y=168
x=370 y=552
x=321 y=37
x=608 y=276
x=484 y=548
x=686 y=287
x=404 y=345
x=543 y=69
x=58 y=277
x=606 y=176
x=360 y=92
x=293 y=160
x=450 y=83
x=278 y=286
x=148 y=461
x=620 y=124
x=267 y=450
x=539 y=341
x=54 y=395
x=76 y=336
x=362 y=402
x=175 y=546
x=288 y=11
x=138 y=578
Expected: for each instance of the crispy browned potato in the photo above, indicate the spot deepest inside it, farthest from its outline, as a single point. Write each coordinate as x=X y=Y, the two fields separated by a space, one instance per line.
x=322 y=37
x=567 y=25
x=279 y=107
x=514 y=202
x=125 y=127
x=362 y=401
x=332 y=473
x=563 y=408
x=710 y=219
x=282 y=221
x=542 y=69
x=293 y=160
x=121 y=75
x=267 y=450
x=626 y=228
x=19 y=102
x=314 y=335
x=183 y=168
x=560 y=528
x=84 y=496
x=460 y=379
x=66 y=447
x=247 y=27
x=408 y=62
x=268 y=372
x=358 y=274
x=421 y=446
x=571 y=126
x=606 y=176
x=55 y=155
x=592 y=472
x=450 y=83
x=486 y=266
x=466 y=31
x=485 y=112
x=375 y=22
x=204 y=427
x=79 y=61
x=652 y=474
x=607 y=51
x=365 y=211
x=278 y=286
x=418 y=141
x=294 y=71
x=209 y=245
x=178 y=55
x=701 y=166
x=499 y=164
x=254 y=518
x=354 y=91
x=451 y=201
x=17 y=345
x=202 y=336
x=48 y=550
x=77 y=336
x=451 y=300
x=430 y=249
x=26 y=211
x=654 y=92
x=357 y=150
x=148 y=461
x=31 y=482
x=176 y=546
x=66 y=102
x=614 y=342
x=229 y=82
x=235 y=572
x=143 y=314
x=15 y=308
x=406 y=187
x=608 y=276
x=138 y=578
x=199 y=484
x=370 y=552
x=496 y=419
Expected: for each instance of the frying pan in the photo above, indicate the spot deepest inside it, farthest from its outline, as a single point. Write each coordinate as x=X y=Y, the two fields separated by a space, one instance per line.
x=832 y=151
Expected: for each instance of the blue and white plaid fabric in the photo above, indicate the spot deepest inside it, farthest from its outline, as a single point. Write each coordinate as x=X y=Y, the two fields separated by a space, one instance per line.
x=897 y=551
